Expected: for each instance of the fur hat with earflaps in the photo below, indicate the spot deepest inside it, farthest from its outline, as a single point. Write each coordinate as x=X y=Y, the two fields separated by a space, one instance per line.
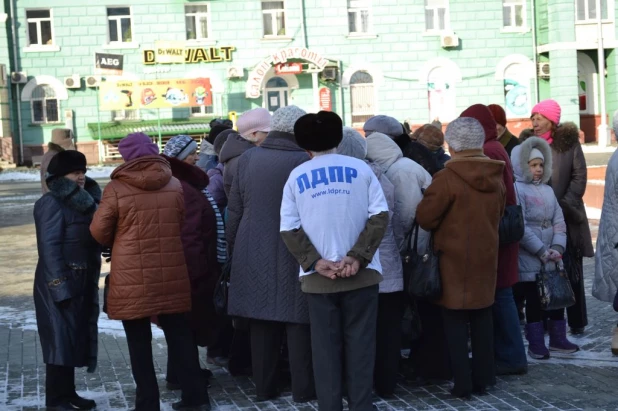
x=319 y=132
x=65 y=162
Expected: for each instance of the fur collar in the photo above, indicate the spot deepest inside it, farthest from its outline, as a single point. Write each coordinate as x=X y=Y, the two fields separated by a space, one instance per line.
x=83 y=200
x=193 y=175
x=566 y=136
x=520 y=159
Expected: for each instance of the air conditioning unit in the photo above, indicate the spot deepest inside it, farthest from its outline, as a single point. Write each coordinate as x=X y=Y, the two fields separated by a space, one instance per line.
x=448 y=40
x=329 y=74
x=235 y=72
x=19 y=77
x=93 y=81
x=73 y=82
x=543 y=70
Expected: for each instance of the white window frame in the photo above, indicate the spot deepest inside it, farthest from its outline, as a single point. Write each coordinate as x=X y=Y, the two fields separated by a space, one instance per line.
x=121 y=115
x=357 y=7
x=38 y=21
x=119 y=25
x=196 y=18
x=610 y=15
x=44 y=101
x=203 y=112
x=273 y=17
x=436 y=19
x=512 y=4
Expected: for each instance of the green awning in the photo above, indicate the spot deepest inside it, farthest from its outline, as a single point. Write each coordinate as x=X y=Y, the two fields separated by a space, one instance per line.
x=114 y=130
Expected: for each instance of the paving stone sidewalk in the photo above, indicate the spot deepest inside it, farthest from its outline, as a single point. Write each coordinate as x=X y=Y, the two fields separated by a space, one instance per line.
x=585 y=381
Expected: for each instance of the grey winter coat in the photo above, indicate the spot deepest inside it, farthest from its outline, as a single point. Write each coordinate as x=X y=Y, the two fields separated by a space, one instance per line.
x=606 y=258
x=67 y=273
x=208 y=158
x=390 y=259
x=545 y=226
x=408 y=177
x=231 y=151
x=264 y=281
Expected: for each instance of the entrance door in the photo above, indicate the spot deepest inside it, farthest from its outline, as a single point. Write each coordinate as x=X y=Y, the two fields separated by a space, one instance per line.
x=276 y=93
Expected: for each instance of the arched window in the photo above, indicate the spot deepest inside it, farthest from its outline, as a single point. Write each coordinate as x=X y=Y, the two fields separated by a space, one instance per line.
x=441 y=95
x=362 y=97
x=276 y=93
x=44 y=105
x=517 y=91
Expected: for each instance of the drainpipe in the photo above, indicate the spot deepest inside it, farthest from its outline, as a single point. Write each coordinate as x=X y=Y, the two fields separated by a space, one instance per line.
x=17 y=92
x=602 y=130
x=535 y=58
x=303 y=29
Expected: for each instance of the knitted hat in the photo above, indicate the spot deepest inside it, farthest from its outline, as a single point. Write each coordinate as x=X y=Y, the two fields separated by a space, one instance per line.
x=221 y=139
x=465 y=133
x=383 y=124
x=258 y=119
x=431 y=137
x=62 y=137
x=214 y=132
x=549 y=109
x=137 y=145
x=180 y=147
x=285 y=117
x=319 y=132
x=353 y=144
x=481 y=113
x=615 y=124
x=498 y=113
x=65 y=162
x=536 y=153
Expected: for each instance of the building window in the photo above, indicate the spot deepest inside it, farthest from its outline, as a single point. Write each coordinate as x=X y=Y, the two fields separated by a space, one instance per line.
x=120 y=115
x=517 y=91
x=514 y=14
x=39 y=27
x=197 y=21
x=119 y=23
x=273 y=14
x=587 y=10
x=362 y=97
x=44 y=105
x=436 y=15
x=358 y=16
x=201 y=111
x=441 y=95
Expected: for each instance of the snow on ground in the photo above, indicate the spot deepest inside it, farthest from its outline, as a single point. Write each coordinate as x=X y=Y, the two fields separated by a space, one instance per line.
x=102 y=172
x=593 y=213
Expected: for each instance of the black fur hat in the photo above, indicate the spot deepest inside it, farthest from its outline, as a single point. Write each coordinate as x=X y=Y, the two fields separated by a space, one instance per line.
x=319 y=132
x=65 y=162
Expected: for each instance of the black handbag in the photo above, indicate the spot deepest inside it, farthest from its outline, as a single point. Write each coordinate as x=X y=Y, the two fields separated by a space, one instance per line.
x=105 y=293
x=554 y=288
x=512 y=226
x=222 y=289
x=422 y=271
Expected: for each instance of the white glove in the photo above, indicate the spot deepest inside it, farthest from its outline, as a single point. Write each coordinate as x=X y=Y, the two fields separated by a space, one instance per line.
x=554 y=255
x=545 y=257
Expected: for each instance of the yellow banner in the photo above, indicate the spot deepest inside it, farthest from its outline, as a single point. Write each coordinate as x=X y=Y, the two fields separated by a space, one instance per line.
x=163 y=93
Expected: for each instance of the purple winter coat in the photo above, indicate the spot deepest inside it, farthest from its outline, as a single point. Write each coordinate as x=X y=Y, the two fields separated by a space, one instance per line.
x=215 y=186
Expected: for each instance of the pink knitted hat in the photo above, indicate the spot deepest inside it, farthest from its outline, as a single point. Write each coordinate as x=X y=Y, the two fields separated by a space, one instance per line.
x=549 y=109
x=254 y=120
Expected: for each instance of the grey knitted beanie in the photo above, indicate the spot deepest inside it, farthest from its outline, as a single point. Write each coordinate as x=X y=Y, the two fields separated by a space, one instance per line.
x=353 y=144
x=465 y=133
x=285 y=118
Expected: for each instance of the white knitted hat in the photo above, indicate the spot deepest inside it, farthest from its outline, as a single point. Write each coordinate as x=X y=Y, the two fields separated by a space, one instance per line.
x=285 y=118
x=465 y=133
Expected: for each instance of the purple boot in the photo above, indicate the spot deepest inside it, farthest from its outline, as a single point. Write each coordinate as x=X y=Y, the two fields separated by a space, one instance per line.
x=558 y=340
x=535 y=334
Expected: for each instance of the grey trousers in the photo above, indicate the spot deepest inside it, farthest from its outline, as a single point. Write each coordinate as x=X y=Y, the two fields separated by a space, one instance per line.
x=343 y=342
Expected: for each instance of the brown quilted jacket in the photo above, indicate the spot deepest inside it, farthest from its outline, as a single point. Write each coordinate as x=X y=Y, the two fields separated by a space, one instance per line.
x=141 y=215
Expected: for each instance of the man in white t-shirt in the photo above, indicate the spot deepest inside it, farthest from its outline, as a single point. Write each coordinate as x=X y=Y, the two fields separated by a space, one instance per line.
x=333 y=218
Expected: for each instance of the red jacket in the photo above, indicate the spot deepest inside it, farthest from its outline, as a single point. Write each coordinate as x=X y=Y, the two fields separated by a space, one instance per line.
x=508 y=265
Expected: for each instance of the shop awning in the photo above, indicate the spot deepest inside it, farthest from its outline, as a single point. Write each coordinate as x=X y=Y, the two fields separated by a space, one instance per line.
x=114 y=130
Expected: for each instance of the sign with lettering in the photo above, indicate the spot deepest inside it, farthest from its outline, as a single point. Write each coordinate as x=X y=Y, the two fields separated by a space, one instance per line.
x=110 y=64
x=195 y=55
x=256 y=76
x=325 y=99
x=289 y=68
x=169 y=51
x=163 y=93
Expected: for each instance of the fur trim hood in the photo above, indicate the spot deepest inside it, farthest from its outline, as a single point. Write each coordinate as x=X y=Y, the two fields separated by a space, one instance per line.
x=520 y=155
x=565 y=137
x=83 y=200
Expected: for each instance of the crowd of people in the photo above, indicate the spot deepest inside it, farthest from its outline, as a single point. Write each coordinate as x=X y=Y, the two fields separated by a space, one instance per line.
x=311 y=220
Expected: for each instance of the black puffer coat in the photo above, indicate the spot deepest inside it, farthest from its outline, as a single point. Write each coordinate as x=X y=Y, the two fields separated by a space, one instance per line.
x=68 y=268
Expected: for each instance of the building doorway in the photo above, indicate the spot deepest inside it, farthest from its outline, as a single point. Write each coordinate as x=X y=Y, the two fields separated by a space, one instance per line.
x=276 y=93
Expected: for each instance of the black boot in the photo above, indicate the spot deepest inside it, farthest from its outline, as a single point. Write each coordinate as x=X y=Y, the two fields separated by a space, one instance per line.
x=76 y=403
x=181 y=406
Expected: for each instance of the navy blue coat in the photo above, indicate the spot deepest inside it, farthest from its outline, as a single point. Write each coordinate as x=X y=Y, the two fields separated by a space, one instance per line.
x=66 y=296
